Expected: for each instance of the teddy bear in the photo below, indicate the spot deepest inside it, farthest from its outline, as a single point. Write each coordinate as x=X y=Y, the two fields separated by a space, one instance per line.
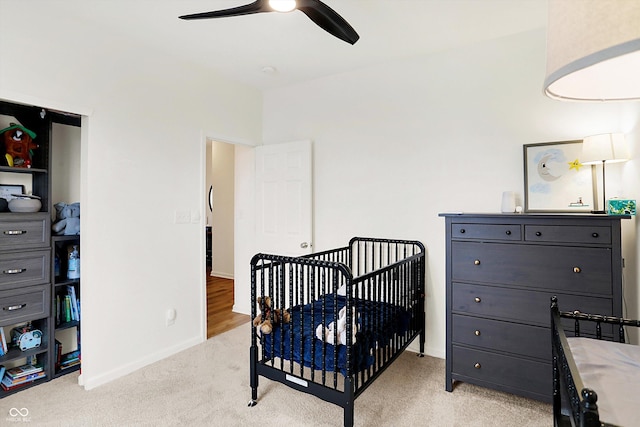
x=263 y=320
x=17 y=145
x=67 y=219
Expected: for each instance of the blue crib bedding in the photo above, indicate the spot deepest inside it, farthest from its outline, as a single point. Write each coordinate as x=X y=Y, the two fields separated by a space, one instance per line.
x=377 y=323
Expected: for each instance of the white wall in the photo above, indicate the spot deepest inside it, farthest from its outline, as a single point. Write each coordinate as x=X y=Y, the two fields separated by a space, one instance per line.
x=222 y=171
x=396 y=144
x=65 y=165
x=143 y=149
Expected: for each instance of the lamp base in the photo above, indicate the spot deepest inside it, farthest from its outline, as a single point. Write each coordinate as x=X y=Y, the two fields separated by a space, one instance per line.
x=598 y=212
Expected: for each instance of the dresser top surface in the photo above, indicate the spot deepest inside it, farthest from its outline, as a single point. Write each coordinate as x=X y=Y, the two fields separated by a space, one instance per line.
x=515 y=216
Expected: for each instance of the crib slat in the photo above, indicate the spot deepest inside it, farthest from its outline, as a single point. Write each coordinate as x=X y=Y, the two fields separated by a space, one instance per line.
x=312 y=282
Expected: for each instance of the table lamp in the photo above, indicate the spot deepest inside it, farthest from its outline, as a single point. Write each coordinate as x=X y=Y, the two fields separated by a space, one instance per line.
x=604 y=148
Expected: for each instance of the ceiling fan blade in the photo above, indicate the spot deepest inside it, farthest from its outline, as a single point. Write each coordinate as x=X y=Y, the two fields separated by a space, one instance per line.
x=328 y=19
x=247 y=9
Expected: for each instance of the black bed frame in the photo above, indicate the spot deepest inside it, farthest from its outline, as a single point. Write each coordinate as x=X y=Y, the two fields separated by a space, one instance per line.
x=392 y=271
x=574 y=404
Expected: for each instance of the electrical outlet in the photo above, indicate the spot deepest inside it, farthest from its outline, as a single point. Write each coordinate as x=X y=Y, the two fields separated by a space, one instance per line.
x=182 y=217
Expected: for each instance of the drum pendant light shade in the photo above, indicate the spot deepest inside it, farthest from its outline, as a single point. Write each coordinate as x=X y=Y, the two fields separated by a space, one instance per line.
x=593 y=50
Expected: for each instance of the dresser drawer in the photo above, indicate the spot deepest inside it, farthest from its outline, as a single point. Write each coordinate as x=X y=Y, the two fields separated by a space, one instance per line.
x=522 y=305
x=24 y=231
x=507 y=371
x=486 y=231
x=20 y=305
x=563 y=268
x=18 y=269
x=568 y=234
x=515 y=338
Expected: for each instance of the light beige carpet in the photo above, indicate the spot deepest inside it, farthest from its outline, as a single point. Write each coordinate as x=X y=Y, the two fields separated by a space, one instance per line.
x=208 y=385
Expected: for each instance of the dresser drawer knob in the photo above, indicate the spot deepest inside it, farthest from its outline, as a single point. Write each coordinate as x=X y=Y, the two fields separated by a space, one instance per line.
x=476 y=262
x=477 y=299
x=538 y=233
x=595 y=235
x=462 y=231
x=577 y=270
x=14 y=271
x=508 y=232
x=14 y=307
x=477 y=332
x=477 y=365
x=15 y=232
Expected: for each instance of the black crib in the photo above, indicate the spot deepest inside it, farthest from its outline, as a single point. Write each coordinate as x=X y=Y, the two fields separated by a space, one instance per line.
x=375 y=287
x=574 y=404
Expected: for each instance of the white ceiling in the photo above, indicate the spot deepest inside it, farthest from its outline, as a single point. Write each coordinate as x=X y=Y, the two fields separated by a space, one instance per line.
x=240 y=47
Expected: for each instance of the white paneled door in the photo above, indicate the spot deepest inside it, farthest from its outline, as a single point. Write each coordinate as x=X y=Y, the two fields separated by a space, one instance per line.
x=283 y=198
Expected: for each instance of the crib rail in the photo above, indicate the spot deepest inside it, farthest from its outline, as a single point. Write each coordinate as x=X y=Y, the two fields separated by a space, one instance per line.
x=599 y=320
x=582 y=401
x=389 y=273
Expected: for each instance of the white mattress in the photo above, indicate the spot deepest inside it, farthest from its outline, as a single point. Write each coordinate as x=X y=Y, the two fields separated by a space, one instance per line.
x=612 y=370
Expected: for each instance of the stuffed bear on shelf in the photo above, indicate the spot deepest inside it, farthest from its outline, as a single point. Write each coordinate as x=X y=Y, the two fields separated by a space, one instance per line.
x=67 y=219
x=263 y=320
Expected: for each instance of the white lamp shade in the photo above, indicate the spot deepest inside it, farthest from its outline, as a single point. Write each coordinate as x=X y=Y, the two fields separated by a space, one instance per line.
x=593 y=50
x=607 y=147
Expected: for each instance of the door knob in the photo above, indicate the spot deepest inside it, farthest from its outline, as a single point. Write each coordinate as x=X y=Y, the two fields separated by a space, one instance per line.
x=304 y=245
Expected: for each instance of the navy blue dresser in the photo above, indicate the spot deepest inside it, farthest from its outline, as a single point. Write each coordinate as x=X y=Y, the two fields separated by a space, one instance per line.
x=501 y=271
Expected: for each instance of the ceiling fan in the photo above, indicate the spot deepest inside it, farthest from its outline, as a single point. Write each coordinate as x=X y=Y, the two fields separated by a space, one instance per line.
x=325 y=17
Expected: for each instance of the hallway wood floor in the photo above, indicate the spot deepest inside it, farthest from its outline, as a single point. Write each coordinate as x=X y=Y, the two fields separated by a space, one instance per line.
x=220 y=318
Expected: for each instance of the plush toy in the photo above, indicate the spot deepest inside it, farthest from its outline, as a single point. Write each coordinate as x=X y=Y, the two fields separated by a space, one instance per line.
x=17 y=146
x=263 y=320
x=67 y=219
x=329 y=334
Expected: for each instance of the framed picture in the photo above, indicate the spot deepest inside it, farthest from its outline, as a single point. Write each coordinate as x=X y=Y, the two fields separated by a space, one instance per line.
x=6 y=191
x=555 y=180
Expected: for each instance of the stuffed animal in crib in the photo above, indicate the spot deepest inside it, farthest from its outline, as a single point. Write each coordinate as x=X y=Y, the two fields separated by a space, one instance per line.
x=329 y=334
x=263 y=320
x=67 y=219
x=17 y=146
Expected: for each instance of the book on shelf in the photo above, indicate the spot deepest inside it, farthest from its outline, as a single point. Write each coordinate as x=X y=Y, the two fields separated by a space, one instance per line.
x=69 y=365
x=67 y=306
x=8 y=384
x=75 y=313
x=4 y=387
x=7 y=380
x=24 y=370
x=70 y=359
x=58 y=350
x=3 y=343
x=58 y=309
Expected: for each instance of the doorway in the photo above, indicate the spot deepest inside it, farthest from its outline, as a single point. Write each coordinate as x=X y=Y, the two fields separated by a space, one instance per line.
x=219 y=231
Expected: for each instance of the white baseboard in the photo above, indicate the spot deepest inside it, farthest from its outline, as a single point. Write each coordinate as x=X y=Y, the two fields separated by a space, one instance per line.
x=107 y=377
x=221 y=274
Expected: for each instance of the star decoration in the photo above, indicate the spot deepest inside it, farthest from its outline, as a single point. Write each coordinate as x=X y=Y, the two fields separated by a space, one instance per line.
x=575 y=165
